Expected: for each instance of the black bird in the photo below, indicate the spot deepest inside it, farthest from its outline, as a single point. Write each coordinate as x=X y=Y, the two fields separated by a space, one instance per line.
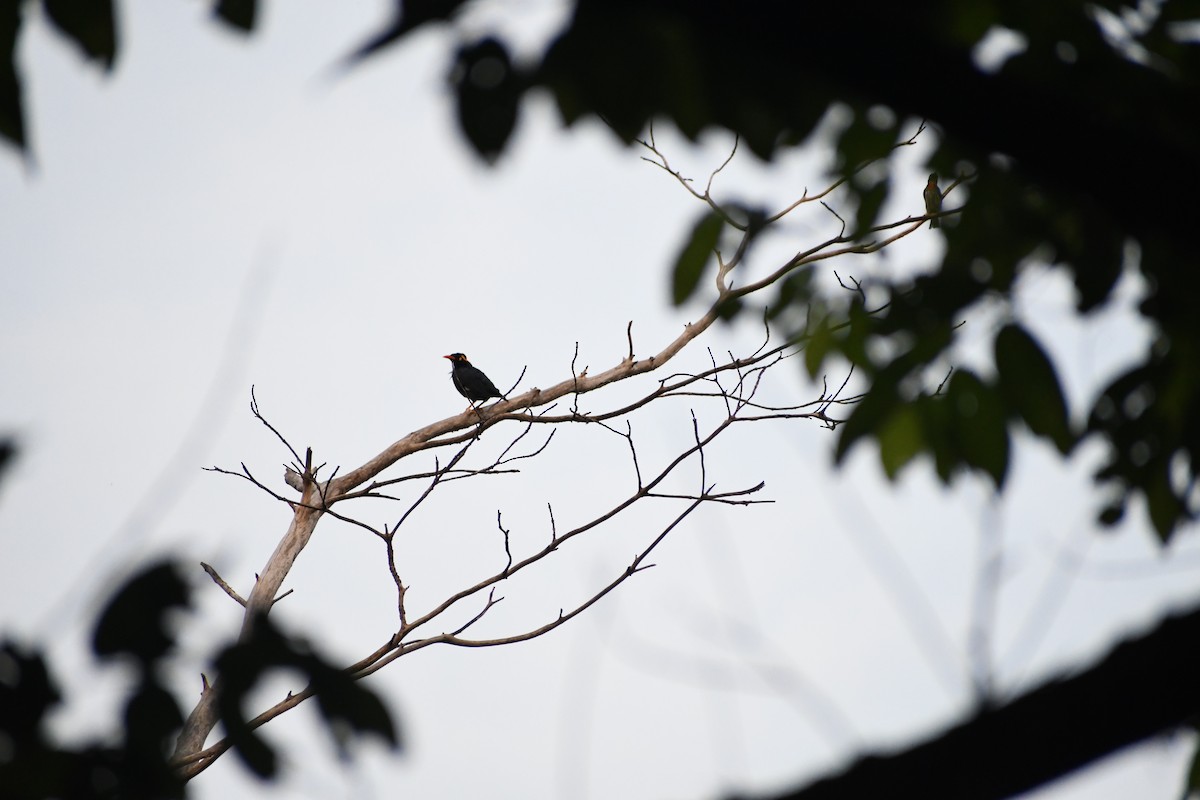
x=470 y=380
x=933 y=199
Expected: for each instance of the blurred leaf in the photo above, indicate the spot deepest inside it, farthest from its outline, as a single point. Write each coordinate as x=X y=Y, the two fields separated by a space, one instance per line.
x=1164 y=507
x=8 y=454
x=151 y=716
x=1112 y=514
x=969 y=22
x=1147 y=415
x=26 y=693
x=862 y=141
x=1029 y=385
x=344 y=702
x=851 y=342
x=980 y=424
x=135 y=620
x=258 y=756
x=12 y=117
x=794 y=290
x=679 y=73
x=1087 y=237
x=241 y=665
x=900 y=440
x=238 y=14
x=626 y=63
x=489 y=91
x=695 y=255
x=820 y=342
x=937 y=423
x=869 y=202
x=877 y=405
x=729 y=308
x=410 y=15
x=91 y=24
x=1192 y=785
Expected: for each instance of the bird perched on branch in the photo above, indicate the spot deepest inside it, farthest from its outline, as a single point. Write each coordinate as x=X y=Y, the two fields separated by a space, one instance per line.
x=933 y=198
x=470 y=380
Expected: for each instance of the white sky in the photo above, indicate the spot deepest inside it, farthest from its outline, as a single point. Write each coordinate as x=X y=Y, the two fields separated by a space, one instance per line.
x=348 y=220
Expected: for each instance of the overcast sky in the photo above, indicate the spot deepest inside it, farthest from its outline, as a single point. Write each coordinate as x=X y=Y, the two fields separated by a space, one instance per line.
x=222 y=212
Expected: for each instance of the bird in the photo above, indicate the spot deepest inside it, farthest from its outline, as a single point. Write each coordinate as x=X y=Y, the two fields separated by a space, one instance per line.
x=470 y=380
x=933 y=198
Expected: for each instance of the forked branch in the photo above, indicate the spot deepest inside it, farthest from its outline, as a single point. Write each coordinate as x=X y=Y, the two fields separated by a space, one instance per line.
x=730 y=383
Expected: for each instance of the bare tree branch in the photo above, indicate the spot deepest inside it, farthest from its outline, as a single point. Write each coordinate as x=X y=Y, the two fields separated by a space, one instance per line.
x=729 y=383
x=229 y=590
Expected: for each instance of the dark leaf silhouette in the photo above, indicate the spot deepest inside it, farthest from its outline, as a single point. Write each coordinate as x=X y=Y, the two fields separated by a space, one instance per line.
x=347 y=705
x=135 y=621
x=238 y=14
x=1030 y=386
x=12 y=115
x=489 y=89
x=90 y=24
x=695 y=254
x=409 y=15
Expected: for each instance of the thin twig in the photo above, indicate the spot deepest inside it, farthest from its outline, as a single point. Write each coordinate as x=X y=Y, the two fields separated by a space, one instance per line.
x=229 y=590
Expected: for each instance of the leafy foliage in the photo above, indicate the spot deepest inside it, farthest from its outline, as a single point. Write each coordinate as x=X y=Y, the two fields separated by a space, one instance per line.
x=489 y=89
x=1061 y=143
x=12 y=114
x=695 y=254
x=347 y=706
x=135 y=623
x=90 y=24
x=132 y=624
x=238 y=14
x=1030 y=386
